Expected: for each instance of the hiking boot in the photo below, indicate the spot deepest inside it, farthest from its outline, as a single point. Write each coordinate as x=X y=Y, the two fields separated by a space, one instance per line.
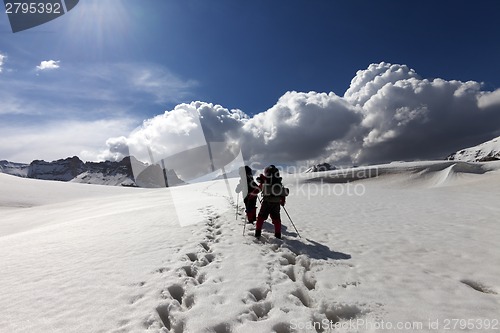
x=277 y=235
x=257 y=233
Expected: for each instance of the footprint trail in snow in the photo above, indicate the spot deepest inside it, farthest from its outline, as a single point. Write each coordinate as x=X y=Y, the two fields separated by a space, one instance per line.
x=222 y=281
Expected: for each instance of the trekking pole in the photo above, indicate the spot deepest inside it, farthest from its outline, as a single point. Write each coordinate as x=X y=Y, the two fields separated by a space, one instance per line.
x=237 y=203
x=291 y=221
x=244 y=226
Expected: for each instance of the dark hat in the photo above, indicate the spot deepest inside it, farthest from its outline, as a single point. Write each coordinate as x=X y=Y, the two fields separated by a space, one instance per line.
x=271 y=170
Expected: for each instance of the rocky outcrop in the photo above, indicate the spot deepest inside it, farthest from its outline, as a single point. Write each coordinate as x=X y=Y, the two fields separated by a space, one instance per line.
x=321 y=167
x=14 y=169
x=62 y=170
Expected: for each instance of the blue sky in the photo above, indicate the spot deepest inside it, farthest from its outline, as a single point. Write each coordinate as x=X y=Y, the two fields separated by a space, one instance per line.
x=115 y=63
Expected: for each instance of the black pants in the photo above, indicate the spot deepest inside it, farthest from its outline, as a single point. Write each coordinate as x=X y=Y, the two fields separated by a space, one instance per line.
x=250 y=203
x=270 y=208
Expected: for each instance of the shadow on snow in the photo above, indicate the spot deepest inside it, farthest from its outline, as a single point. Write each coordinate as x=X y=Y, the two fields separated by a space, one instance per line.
x=310 y=247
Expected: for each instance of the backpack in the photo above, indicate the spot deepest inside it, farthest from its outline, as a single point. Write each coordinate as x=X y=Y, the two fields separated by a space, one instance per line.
x=272 y=186
x=274 y=190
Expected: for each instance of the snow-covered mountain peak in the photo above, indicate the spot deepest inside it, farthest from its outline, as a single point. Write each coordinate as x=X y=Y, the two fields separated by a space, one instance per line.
x=321 y=167
x=484 y=152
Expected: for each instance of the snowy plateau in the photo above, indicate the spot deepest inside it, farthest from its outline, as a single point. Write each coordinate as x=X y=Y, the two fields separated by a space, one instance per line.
x=401 y=247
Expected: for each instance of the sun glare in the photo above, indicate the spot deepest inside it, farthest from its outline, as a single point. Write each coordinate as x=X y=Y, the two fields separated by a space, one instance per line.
x=100 y=26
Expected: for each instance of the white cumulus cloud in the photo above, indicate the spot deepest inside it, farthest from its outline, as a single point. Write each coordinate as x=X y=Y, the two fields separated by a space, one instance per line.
x=407 y=117
x=368 y=82
x=388 y=113
x=183 y=131
x=48 y=65
x=2 y=59
x=489 y=99
x=299 y=126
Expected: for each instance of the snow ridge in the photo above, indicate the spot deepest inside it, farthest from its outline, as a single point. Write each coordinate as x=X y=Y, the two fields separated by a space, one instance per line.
x=487 y=151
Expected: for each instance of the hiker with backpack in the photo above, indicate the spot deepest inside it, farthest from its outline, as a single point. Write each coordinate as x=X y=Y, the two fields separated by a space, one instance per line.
x=250 y=190
x=273 y=197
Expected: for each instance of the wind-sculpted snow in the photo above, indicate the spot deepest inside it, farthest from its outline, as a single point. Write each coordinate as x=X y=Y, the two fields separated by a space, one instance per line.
x=418 y=246
x=433 y=173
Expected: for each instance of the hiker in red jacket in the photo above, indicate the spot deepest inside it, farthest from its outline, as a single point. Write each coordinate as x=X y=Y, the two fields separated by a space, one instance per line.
x=273 y=196
x=250 y=191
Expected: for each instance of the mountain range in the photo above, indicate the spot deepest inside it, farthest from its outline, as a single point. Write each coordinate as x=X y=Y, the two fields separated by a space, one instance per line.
x=73 y=169
x=121 y=173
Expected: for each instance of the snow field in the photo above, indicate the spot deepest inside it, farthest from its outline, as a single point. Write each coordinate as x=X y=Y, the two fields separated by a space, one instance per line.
x=420 y=245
